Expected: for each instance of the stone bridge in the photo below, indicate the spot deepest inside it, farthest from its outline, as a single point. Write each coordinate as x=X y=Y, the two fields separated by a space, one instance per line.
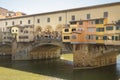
x=85 y=55
x=94 y=55
x=40 y=49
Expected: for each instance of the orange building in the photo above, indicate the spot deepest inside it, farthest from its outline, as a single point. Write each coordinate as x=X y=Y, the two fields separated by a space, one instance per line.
x=78 y=32
x=84 y=31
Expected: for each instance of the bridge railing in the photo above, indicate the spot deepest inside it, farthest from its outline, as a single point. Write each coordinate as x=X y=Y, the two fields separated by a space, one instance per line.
x=42 y=41
x=48 y=40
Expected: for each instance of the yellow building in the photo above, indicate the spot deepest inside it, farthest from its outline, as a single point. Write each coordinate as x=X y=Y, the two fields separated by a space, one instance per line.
x=66 y=32
x=100 y=30
x=112 y=34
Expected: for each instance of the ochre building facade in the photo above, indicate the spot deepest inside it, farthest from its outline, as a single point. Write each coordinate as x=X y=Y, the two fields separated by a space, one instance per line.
x=92 y=30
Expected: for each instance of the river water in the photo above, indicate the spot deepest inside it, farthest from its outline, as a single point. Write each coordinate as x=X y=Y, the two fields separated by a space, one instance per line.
x=63 y=70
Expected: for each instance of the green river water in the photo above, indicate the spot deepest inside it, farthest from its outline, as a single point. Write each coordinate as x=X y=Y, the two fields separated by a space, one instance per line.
x=63 y=70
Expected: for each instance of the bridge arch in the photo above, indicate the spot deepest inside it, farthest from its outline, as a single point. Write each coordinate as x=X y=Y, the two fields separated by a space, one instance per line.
x=45 y=51
x=5 y=51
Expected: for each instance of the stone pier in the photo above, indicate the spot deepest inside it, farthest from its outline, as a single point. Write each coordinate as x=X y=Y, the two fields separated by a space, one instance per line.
x=92 y=56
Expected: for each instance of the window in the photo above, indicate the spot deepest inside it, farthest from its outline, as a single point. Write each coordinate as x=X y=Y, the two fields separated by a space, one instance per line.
x=109 y=27
x=100 y=29
x=23 y=37
x=88 y=16
x=38 y=20
x=20 y=22
x=66 y=37
x=90 y=37
x=73 y=22
x=117 y=27
x=81 y=22
x=26 y=37
x=13 y=23
x=26 y=31
x=73 y=17
x=21 y=30
x=112 y=37
x=116 y=38
x=91 y=29
x=99 y=21
x=66 y=30
x=6 y=23
x=60 y=18
x=28 y=21
x=105 y=14
x=96 y=37
x=73 y=29
x=104 y=37
x=48 y=19
x=4 y=37
x=92 y=22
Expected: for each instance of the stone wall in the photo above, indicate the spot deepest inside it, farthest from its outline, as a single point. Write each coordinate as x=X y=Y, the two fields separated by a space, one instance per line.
x=45 y=52
x=91 y=56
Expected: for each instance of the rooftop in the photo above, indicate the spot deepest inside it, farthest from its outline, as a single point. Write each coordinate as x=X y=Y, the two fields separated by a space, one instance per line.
x=74 y=9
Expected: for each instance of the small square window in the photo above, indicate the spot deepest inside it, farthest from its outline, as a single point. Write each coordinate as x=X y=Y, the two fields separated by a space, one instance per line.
x=66 y=30
x=13 y=23
x=20 y=22
x=73 y=17
x=60 y=18
x=105 y=14
x=66 y=37
x=88 y=16
x=28 y=21
x=38 y=20
x=48 y=19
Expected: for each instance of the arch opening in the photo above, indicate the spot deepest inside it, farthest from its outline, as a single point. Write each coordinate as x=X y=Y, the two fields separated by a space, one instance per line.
x=46 y=51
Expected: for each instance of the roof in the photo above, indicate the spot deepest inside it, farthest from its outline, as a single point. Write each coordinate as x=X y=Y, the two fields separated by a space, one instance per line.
x=74 y=9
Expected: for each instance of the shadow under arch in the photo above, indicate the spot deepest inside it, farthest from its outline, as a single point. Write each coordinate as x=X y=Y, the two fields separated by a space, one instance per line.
x=6 y=48
x=46 y=51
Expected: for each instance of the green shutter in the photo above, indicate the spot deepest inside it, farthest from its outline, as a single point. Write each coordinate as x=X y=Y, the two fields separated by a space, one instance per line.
x=112 y=37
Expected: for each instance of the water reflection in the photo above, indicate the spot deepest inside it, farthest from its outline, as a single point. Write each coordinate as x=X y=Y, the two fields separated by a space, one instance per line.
x=63 y=69
x=118 y=66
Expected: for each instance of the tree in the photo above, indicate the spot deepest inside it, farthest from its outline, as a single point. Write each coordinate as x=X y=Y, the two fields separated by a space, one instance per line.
x=38 y=29
x=48 y=28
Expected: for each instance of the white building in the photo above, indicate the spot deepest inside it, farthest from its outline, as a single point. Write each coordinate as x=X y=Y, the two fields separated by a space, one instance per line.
x=61 y=18
x=23 y=33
